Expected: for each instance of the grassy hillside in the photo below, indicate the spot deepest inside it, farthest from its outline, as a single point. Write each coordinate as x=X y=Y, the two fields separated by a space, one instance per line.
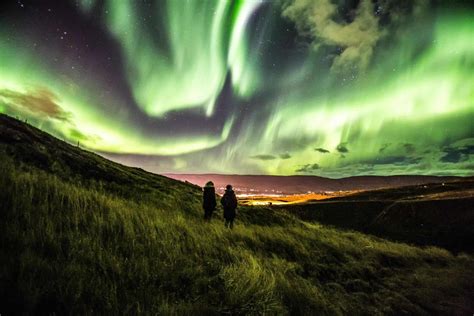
x=33 y=148
x=113 y=239
x=440 y=214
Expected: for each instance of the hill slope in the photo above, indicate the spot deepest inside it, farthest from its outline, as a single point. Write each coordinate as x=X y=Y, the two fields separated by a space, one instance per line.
x=440 y=214
x=111 y=239
x=30 y=146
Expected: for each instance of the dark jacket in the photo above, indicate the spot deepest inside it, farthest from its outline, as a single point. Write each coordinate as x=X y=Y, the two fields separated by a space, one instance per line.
x=229 y=203
x=209 y=198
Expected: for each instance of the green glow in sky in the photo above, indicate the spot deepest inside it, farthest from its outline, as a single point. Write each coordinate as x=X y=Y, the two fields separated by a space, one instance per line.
x=251 y=86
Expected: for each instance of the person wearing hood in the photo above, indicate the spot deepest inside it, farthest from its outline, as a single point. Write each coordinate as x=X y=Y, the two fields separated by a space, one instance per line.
x=209 y=200
x=229 y=203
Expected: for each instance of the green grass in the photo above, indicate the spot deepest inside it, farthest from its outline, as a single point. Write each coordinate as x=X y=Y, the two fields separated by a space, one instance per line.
x=79 y=248
x=83 y=235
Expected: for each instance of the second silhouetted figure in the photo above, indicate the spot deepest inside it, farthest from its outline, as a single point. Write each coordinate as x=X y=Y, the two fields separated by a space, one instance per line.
x=229 y=203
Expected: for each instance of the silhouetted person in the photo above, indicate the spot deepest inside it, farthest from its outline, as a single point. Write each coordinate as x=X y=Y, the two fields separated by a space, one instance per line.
x=208 y=200
x=229 y=203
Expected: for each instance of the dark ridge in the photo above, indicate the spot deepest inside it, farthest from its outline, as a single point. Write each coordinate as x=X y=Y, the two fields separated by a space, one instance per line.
x=433 y=214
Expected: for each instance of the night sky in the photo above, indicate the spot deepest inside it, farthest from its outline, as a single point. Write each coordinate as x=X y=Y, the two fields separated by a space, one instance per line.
x=317 y=87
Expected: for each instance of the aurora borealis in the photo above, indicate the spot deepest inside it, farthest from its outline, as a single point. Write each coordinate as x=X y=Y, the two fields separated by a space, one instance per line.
x=321 y=87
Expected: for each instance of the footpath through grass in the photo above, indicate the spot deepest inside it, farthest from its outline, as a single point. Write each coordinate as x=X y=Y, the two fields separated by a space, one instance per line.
x=79 y=247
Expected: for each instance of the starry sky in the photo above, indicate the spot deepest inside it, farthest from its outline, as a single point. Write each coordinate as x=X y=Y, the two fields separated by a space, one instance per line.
x=332 y=88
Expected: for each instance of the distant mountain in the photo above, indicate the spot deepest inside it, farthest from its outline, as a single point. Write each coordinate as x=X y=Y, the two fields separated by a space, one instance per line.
x=262 y=184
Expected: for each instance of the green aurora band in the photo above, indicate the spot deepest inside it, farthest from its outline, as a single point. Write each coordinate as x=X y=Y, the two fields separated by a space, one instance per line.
x=405 y=104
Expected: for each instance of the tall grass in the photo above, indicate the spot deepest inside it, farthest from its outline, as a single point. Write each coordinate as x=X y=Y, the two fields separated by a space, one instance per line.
x=79 y=247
